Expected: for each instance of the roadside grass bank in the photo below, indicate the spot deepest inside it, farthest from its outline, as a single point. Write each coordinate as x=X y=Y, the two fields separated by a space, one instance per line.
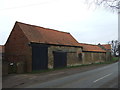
x=113 y=60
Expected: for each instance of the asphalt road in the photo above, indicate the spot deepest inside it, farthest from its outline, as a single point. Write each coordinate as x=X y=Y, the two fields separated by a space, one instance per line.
x=104 y=77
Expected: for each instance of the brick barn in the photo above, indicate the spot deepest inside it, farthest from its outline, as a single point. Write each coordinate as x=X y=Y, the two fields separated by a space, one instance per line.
x=41 y=48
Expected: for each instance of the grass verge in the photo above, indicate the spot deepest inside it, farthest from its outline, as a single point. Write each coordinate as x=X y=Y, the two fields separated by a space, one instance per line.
x=114 y=59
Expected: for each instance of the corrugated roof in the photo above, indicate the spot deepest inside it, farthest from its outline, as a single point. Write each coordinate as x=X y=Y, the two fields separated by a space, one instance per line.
x=90 y=47
x=107 y=46
x=49 y=36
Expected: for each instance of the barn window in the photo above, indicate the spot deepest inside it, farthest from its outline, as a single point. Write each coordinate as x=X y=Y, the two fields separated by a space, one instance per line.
x=80 y=56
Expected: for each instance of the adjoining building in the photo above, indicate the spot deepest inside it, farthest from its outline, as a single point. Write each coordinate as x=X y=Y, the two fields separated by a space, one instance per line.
x=41 y=48
x=92 y=53
x=107 y=48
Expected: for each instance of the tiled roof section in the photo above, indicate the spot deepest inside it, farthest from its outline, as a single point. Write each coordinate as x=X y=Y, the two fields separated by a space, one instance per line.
x=107 y=46
x=49 y=36
x=1 y=48
x=90 y=47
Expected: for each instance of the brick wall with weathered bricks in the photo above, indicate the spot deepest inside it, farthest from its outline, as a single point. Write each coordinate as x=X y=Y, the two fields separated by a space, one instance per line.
x=17 y=48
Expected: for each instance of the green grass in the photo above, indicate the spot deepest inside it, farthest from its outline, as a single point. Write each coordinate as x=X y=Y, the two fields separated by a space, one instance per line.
x=114 y=59
x=48 y=70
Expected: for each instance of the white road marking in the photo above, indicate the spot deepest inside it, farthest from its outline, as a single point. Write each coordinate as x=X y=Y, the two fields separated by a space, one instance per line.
x=102 y=77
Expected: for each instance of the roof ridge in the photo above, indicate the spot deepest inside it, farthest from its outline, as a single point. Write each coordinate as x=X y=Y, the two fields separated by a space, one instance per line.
x=45 y=35
x=42 y=27
x=88 y=44
x=91 y=47
x=105 y=44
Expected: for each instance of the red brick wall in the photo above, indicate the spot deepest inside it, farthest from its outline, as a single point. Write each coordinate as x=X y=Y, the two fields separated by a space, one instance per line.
x=17 y=48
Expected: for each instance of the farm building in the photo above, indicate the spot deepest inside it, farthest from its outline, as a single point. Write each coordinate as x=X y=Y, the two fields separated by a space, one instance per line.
x=107 y=48
x=92 y=53
x=41 y=48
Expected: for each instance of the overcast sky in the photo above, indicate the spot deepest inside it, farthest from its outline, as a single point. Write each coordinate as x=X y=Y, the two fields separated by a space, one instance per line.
x=87 y=25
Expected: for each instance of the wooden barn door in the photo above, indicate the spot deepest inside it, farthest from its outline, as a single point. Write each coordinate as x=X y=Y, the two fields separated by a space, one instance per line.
x=60 y=59
x=39 y=57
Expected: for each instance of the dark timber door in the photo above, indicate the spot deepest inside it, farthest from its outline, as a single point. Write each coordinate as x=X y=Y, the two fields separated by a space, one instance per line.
x=39 y=57
x=60 y=59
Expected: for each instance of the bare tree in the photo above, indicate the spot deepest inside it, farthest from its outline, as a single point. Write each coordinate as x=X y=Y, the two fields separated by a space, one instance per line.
x=113 y=4
x=115 y=47
x=119 y=48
